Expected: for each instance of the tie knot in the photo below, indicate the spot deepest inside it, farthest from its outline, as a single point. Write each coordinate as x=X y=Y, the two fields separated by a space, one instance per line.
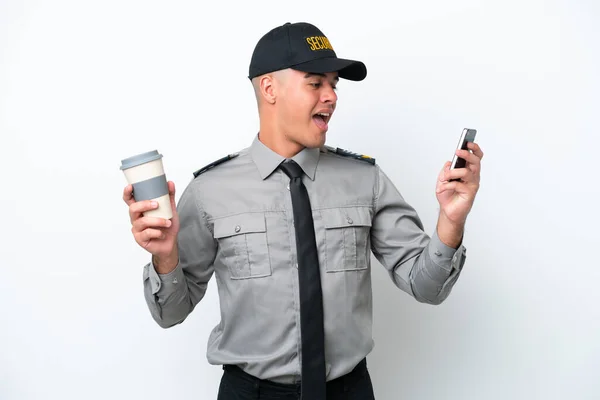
x=291 y=169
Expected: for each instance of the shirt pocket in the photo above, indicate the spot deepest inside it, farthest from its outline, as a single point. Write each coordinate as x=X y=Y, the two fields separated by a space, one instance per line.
x=347 y=238
x=243 y=246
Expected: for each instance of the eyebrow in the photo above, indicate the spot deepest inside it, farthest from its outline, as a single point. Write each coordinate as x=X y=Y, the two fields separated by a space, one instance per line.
x=309 y=74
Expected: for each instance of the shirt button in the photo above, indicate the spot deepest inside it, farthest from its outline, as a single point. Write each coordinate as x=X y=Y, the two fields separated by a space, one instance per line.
x=175 y=281
x=437 y=253
x=238 y=228
x=350 y=221
x=288 y=186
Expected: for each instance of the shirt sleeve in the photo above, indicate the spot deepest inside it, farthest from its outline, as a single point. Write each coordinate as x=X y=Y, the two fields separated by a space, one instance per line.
x=172 y=297
x=418 y=264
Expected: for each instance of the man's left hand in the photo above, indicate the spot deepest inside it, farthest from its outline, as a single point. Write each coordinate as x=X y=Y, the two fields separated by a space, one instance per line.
x=456 y=198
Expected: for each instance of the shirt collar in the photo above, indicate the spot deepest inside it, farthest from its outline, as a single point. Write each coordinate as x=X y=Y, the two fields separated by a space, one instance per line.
x=267 y=161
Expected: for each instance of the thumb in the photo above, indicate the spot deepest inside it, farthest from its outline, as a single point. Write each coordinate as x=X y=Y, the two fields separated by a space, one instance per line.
x=171 y=185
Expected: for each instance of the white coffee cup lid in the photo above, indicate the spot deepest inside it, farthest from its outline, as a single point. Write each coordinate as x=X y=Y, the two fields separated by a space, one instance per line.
x=140 y=159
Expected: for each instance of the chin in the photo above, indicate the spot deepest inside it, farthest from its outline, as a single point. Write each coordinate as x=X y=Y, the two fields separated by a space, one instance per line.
x=318 y=140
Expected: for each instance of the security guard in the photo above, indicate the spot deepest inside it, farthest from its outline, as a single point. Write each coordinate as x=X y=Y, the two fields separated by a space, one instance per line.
x=287 y=227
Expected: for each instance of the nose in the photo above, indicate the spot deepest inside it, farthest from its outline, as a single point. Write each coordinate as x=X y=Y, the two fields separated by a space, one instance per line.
x=328 y=95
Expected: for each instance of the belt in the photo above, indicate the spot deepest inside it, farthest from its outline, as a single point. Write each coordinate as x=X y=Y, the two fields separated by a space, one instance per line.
x=340 y=384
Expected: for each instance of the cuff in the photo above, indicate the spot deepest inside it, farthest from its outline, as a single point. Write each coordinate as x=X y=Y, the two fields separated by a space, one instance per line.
x=163 y=282
x=445 y=256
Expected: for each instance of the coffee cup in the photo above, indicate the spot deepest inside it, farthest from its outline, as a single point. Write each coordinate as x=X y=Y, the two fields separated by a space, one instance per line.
x=146 y=174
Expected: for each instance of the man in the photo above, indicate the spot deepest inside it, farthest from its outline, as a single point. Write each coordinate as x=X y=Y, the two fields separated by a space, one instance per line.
x=287 y=226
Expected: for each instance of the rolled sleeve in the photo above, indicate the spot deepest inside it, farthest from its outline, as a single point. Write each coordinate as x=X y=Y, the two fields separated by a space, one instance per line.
x=422 y=266
x=172 y=297
x=164 y=284
x=445 y=256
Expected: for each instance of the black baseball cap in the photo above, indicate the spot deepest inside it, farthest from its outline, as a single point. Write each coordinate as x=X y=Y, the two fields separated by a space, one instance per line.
x=303 y=47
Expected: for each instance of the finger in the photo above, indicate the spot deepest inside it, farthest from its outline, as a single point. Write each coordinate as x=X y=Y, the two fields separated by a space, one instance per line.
x=470 y=158
x=442 y=174
x=128 y=195
x=143 y=223
x=475 y=169
x=151 y=234
x=457 y=173
x=139 y=207
x=454 y=185
x=476 y=149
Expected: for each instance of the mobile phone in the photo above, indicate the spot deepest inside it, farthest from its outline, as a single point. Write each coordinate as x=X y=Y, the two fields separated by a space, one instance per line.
x=467 y=135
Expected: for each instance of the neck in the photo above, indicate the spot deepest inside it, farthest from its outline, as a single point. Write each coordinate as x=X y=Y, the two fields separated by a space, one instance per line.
x=276 y=140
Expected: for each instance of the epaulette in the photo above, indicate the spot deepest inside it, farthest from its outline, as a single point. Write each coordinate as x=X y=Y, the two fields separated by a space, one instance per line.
x=349 y=154
x=215 y=163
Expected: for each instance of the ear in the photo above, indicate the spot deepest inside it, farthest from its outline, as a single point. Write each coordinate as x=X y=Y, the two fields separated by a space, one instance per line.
x=267 y=88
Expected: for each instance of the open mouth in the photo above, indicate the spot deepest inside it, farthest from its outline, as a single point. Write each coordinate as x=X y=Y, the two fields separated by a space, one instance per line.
x=321 y=119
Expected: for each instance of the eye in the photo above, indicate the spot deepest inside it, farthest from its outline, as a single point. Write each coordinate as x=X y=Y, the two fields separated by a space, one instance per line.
x=316 y=85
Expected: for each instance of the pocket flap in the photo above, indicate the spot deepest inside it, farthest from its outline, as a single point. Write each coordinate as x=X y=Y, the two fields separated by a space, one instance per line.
x=346 y=217
x=239 y=224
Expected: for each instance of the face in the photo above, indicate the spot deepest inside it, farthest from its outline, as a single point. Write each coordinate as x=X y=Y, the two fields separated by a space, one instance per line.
x=305 y=103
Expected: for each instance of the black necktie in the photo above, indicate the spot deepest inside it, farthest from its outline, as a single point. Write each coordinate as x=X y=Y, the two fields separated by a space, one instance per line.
x=311 y=299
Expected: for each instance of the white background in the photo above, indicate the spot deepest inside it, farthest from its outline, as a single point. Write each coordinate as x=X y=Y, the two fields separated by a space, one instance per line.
x=85 y=84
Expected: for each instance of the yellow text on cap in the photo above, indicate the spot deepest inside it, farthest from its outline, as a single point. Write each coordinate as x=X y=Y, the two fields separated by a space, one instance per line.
x=319 y=43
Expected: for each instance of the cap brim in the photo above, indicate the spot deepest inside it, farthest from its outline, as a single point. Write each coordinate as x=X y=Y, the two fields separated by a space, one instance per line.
x=346 y=69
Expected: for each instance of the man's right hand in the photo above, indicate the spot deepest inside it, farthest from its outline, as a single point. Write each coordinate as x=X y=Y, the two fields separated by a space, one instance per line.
x=158 y=236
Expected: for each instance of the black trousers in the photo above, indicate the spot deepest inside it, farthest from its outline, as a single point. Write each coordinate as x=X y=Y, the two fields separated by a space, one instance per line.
x=238 y=385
